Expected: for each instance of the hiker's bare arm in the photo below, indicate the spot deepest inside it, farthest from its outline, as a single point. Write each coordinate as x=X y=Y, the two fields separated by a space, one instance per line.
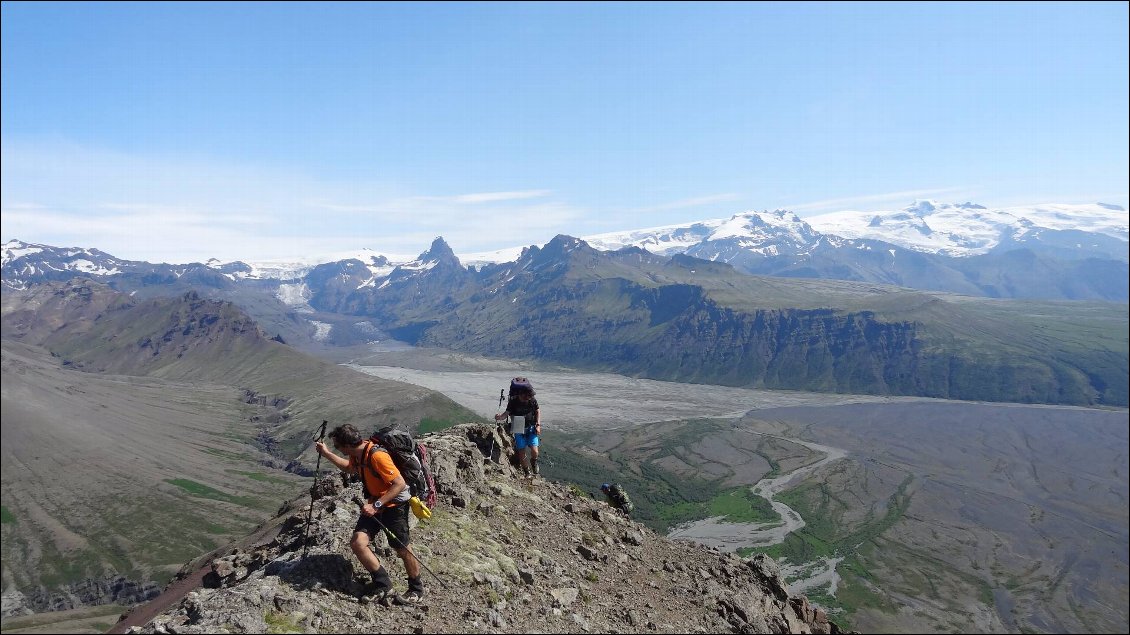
x=341 y=462
x=394 y=489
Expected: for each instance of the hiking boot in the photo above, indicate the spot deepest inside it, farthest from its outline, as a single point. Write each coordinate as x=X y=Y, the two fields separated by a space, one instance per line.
x=537 y=470
x=413 y=596
x=376 y=592
x=384 y=597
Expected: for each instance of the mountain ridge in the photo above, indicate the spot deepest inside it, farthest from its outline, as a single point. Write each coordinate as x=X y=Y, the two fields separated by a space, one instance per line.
x=566 y=306
x=947 y=247
x=594 y=570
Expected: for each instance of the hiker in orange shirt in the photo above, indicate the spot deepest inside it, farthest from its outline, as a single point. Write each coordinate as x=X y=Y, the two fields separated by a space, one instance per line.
x=386 y=508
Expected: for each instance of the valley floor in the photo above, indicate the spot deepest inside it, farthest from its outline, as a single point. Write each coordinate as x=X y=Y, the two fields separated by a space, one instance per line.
x=957 y=516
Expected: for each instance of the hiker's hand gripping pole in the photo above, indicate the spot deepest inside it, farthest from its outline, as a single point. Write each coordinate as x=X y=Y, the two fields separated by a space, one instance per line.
x=317 y=470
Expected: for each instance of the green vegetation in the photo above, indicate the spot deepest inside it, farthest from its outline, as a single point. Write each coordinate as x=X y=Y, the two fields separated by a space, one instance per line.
x=857 y=588
x=59 y=568
x=203 y=491
x=740 y=505
x=432 y=424
x=69 y=621
x=281 y=623
x=444 y=417
x=826 y=535
x=822 y=536
x=265 y=478
x=663 y=499
x=6 y=516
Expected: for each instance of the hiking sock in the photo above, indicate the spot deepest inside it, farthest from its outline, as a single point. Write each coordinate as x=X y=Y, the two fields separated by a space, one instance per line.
x=416 y=584
x=381 y=581
x=534 y=462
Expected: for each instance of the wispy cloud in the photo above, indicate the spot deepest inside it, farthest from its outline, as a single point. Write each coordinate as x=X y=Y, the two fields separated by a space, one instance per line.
x=494 y=197
x=177 y=210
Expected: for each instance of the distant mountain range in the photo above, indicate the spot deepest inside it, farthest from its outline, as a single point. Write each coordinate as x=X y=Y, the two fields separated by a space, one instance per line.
x=1049 y=252
x=961 y=230
x=1071 y=252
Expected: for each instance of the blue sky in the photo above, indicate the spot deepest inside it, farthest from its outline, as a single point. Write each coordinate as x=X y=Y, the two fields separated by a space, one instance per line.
x=185 y=131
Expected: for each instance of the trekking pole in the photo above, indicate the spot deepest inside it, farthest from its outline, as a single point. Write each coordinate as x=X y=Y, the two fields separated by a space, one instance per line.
x=501 y=397
x=310 y=514
x=409 y=550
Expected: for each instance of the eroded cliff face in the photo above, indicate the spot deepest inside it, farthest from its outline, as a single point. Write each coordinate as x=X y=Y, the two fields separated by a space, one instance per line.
x=677 y=333
x=88 y=592
x=504 y=554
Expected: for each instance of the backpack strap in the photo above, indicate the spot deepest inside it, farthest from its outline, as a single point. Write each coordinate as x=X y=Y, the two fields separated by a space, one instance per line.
x=367 y=463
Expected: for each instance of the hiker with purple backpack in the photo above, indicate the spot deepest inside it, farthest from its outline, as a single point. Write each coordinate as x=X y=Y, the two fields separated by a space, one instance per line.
x=525 y=423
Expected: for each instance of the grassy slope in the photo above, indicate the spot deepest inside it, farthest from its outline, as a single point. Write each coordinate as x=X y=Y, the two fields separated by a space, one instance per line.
x=88 y=462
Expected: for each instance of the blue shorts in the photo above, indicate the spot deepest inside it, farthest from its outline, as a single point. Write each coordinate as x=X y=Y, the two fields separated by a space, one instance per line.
x=522 y=440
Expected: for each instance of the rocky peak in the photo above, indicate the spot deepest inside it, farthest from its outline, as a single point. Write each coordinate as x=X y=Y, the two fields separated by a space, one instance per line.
x=500 y=554
x=556 y=253
x=440 y=252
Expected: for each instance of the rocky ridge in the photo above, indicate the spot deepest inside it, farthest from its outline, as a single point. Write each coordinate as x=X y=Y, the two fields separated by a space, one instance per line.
x=505 y=554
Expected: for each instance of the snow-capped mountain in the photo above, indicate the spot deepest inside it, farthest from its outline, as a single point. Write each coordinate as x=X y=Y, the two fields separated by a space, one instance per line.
x=21 y=260
x=765 y=233
x=25 y=263
x=665 y=240
x=297 y=268
x=958 y=230
x=968 y=229
x=1050 y=251
x=1053 y=251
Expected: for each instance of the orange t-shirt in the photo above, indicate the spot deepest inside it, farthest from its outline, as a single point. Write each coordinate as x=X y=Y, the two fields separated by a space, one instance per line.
x=380 y=474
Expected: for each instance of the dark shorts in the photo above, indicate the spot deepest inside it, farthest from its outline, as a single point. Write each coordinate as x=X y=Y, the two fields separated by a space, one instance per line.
x=395 y=519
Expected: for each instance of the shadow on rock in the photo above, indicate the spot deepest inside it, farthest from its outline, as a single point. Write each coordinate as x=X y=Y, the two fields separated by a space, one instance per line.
x=319 y=571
